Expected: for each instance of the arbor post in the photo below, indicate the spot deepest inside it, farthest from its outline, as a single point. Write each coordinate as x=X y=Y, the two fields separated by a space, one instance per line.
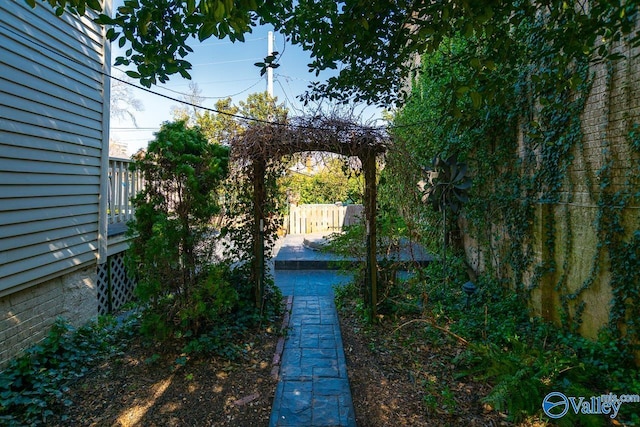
x=370 y=194
x=257 y=267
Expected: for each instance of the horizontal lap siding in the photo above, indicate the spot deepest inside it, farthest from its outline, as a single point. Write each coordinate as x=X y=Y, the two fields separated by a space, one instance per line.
x=51 y=139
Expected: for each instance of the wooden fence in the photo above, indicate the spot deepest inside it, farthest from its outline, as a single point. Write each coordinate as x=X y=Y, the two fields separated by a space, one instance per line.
x=304 y=219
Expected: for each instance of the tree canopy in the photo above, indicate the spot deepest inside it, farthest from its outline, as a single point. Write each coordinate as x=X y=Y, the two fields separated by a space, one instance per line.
x=374 y=43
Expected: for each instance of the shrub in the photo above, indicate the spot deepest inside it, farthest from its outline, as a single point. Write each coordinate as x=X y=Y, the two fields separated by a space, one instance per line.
x=32 y=385
x=173 y=249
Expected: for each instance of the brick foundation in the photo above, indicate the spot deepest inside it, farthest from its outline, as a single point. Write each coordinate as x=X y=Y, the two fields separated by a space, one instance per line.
x=26 y=316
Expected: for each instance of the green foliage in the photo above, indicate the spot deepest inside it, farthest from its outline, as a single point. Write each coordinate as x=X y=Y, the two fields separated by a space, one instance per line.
x=239 y=199
x=524 y=358
x=240 y=229
x=158 y=33
x=520 y=357
x=446 y=191
x=520 y=141
x=333 y=182
x=33 y=385
x=448 y=184
x=219 y=128
x=269 y=62
x=189 y=296
x=384 y=35
x=174 y=239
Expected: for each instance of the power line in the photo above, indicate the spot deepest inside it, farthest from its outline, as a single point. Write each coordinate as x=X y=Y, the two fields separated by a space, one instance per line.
x=293 y=105
x=108 y=75
x=205 y=97
x=130 y=129
x=235 y=61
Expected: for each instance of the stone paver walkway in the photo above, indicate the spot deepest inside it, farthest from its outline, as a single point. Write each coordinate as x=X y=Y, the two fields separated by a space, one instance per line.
x=313 y=389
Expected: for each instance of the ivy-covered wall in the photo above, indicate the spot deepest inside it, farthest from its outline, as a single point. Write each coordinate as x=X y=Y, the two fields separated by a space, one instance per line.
x=577 y=222
x=554 y=149
x=590 y=234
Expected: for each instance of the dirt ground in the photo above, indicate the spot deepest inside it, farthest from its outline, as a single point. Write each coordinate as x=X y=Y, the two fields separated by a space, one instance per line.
x=397 y=380
x=394 y=382
x=408 y=385
x=160 y=387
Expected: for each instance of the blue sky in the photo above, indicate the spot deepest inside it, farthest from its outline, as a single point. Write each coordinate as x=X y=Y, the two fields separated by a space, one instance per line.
x=222 y=68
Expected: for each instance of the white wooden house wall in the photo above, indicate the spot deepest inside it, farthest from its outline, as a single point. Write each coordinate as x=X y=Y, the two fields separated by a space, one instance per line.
x=53 y=143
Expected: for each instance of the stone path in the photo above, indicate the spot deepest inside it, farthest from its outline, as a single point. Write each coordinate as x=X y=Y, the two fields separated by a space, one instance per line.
x=313 y=388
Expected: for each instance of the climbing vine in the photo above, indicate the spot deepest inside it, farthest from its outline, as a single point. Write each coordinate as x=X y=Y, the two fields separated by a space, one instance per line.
x=535 y=169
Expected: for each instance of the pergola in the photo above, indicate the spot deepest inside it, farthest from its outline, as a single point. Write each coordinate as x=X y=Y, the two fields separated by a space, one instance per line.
x=264 y=142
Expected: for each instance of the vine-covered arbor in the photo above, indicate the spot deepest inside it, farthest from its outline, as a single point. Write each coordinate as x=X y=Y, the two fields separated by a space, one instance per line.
x=264 y=143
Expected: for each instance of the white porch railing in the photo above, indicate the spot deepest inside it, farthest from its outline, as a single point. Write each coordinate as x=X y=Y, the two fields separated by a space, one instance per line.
x=123 y=185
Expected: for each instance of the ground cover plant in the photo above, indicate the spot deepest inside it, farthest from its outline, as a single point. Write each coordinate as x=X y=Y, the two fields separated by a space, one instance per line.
x=107 y=373
x=34 y=386
x=469 y=364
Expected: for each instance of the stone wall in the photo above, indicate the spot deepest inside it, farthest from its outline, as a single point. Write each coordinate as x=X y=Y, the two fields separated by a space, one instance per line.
x=27 y=315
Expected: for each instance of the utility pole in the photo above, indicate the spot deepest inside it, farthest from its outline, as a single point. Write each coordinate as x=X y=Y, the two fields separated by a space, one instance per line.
x=269 y=69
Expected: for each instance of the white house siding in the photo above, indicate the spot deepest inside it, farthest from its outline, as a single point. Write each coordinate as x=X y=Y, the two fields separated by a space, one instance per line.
x=52 y=136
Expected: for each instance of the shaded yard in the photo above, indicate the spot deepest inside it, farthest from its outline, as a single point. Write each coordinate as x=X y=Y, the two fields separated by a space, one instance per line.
x=155 y=386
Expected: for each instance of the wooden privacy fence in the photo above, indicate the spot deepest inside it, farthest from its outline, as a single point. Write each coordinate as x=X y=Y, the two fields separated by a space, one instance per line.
x=317 y=218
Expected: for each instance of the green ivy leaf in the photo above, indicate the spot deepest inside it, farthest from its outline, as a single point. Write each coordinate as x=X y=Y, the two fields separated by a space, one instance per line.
x=476 y=99
x=207 y=30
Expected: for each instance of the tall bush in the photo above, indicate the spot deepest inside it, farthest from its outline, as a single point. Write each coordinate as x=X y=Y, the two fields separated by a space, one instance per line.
x=172 y=252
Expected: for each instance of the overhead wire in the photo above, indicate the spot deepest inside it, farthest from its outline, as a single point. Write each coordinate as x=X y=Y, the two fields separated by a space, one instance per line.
x=213 y=110
x=177 y=92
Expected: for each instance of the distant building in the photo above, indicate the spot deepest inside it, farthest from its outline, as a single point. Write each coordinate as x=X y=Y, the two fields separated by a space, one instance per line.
x=118 y=148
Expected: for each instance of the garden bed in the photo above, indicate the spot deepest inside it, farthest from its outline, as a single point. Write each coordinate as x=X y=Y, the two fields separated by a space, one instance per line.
x=160 y=386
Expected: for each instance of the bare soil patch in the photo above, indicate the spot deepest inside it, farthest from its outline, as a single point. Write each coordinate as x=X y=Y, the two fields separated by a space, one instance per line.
x=159 y=386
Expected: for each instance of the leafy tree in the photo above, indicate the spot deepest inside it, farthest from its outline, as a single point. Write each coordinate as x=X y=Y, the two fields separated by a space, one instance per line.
x=220 y=128
x=332 y=183
x=262 y=106
x=374 y=42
